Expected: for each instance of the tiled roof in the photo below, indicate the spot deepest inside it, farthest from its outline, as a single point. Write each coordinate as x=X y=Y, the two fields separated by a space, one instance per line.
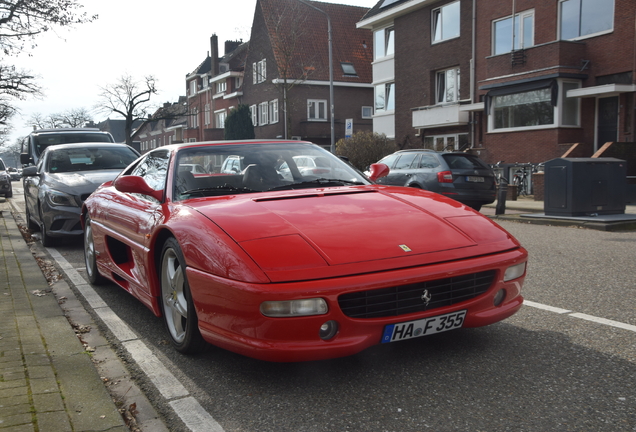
x=378 y=7
x=299 y=33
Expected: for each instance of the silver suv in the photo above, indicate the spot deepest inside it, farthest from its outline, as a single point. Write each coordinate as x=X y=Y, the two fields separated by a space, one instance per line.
x=460 y=176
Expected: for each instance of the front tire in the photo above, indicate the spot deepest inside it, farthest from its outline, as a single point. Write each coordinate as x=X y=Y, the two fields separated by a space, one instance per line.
x=30 y=223
x=177 y=305
x=47 y=240
x=90 y=257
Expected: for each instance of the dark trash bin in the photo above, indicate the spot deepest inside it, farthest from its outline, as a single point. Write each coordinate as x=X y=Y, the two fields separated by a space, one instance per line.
x=584 y=186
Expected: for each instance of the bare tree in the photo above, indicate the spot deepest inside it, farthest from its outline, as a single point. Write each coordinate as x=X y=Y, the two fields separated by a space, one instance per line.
x=73 y=118
x=20 y=22
x=128 y=98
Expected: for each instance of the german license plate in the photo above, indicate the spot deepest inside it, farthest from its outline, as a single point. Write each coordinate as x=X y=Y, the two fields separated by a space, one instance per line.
x=474 y=179
x=423 y=327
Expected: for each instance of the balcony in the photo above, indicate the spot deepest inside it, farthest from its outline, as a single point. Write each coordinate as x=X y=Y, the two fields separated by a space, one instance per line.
x=439 y=116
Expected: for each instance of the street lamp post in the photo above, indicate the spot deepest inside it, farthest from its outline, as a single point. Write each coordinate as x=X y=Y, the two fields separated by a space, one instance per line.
x=333 y=144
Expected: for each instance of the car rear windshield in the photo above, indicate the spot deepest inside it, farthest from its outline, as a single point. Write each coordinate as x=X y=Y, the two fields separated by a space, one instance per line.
x=43 y=141
x=463 y=161
x=90 y=159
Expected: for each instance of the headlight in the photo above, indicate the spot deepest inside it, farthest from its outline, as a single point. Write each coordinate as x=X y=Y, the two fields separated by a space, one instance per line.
x=515 y=271
x=57 y=198
x=4 y=177
x=291 y=308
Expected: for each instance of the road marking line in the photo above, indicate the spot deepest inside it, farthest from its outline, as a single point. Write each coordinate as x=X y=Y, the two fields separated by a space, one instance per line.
x=605 y=321
x=188 y=409
x=546 y=307
x=197 y=419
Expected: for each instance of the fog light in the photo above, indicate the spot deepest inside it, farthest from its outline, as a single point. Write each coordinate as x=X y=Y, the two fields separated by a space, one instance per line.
x=289 y=308
x=499 y=297
x=328 y=330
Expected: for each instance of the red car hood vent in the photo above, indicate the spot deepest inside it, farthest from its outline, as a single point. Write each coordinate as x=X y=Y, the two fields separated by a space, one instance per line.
x=332 y=229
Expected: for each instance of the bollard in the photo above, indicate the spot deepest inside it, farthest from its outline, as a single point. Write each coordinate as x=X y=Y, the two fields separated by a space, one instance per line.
x=501 y=197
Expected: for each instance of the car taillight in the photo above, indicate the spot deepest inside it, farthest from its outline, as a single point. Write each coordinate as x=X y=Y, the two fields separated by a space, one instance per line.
x=445 y=177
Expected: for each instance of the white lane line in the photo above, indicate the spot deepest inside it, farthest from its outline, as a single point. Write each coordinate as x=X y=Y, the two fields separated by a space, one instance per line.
x=197 y=419
x=545 y=307
x=605 y=321
x=187 y=408
x=591 y=318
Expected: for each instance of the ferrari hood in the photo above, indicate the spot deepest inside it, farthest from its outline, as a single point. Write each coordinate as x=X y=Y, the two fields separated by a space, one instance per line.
x=351 y=226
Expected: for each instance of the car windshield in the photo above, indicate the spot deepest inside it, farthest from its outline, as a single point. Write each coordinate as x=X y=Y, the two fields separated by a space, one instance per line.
x=90 y=159
x=248 y=168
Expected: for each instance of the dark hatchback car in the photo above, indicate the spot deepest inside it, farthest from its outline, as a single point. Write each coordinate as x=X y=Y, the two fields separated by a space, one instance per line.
x=55 y=189
x=460 y=176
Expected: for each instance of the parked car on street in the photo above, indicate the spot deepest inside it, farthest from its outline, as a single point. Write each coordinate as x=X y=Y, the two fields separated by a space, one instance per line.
x=16 y=174
x=6 y=189
x=64 y=177
x=461 y=176
x=34 y=144
x=293 y=270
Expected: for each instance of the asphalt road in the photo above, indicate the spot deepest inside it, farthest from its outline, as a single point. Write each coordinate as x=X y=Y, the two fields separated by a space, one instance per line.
x=567 y=362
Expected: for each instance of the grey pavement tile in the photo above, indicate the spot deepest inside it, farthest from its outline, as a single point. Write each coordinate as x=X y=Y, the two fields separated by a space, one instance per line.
x=43 y=385
x=9 y=382
x=48 y=402
x=57 y=421
x=14 y=392
x=41 y=372
x=36 y=360
x=16 y=420
x=14 y=400
x=9 y=357
x=15 y=410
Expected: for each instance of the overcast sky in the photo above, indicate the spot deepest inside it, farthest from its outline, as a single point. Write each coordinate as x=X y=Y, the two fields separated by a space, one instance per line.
x=136 y=37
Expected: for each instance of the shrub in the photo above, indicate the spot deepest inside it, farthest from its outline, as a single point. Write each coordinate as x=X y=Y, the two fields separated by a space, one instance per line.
x=365 y=148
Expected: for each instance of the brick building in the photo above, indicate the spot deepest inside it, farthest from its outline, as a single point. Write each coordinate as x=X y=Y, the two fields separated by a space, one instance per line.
x=465 y=73
x=213 y=89
x=287 y=70
x=166 y=126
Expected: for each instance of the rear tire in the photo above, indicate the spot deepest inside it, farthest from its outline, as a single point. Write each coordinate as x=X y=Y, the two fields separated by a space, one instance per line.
x=90 y=257
x=177 y=306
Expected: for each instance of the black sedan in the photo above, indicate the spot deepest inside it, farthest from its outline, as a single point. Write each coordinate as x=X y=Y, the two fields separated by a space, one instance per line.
x=64 y=177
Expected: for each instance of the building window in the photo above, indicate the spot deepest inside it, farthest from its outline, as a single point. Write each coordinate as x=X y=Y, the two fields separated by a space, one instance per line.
x=571 y=107
x=581 y=18
x=447 y=86
x=207 y=114
x=262 y=113
x=531 y=108
x=523 y=33
x=348 y=69
x=446 y=22
x=385 y=97
x=193 y=87
x=367 y=112
x=383 y=42
x=254 y=112
x=259 y=71
x=221 y=86
x=194 y=118
x=273 y=111
x=220 y=119
x=238 y=82
x=316 y=110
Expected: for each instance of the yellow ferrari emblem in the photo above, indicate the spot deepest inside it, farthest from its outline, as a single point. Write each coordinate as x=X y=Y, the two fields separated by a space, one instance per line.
x=405 y=248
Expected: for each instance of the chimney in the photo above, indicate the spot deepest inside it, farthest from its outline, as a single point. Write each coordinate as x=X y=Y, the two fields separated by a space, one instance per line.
x=231 y=46
x=214 y=56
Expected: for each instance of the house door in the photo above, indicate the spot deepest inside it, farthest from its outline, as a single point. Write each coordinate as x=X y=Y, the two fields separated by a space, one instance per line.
x=607 y=126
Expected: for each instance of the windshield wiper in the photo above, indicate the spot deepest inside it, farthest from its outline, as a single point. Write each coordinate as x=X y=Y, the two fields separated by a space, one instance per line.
x=210 y=190
x=325 y=182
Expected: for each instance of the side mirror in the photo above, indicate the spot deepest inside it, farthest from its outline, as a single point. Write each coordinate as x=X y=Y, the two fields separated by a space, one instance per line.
x=378 y=170
x=30 y=171
x=136 y=184
x=25 y=159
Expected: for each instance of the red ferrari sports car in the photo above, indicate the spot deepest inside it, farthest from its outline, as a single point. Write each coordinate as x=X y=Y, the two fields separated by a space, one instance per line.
x=280 y=264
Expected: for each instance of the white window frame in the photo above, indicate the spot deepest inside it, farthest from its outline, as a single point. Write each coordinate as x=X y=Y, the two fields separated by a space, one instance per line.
x=519 y=29
x=207 y=114
x=221 y=86
x=195 y=117
x=254 y=112
x=588 y=35
x=385 y=35
x=263 y=109
x=456 y=80
x=316 y=103
x=369 y=109
x=219 y=118
x=273 y=111
x=193 y=87
x=557 y=116
x=388 y=95
x=259 y=71
x=436 y=23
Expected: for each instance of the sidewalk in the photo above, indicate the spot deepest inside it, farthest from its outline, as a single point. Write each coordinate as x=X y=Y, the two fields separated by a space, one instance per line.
x=47 y=379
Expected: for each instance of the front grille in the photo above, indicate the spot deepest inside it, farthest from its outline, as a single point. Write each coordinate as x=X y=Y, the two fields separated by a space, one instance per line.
x=405 y=299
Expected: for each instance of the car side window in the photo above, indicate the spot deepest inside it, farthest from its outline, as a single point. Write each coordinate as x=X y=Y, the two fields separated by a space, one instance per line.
x=429 y=161
x=153 y=169
x=389 y=160
x=404 y=162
